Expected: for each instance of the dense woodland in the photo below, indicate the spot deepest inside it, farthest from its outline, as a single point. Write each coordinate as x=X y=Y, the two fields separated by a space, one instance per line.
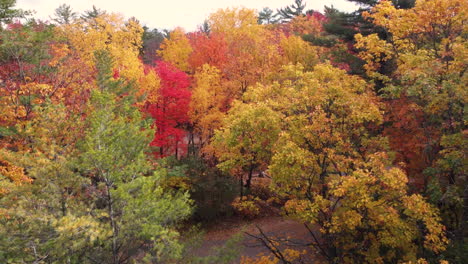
x=120 y=143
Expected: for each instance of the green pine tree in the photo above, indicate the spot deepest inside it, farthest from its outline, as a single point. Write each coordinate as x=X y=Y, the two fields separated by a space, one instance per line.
x=137 y=209
x=291 y=11
x=64 y=14
x=8 y=12
x=267 y=16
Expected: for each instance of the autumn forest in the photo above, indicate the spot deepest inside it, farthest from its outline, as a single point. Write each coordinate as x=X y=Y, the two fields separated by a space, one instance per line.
x=125 y=144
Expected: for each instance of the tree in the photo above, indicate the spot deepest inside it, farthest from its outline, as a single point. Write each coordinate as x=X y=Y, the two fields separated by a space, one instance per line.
x=176 y=49
x=24 y=71
x=93 y=13
x=369 y=216
x=123 y=39
x=244 y=143
x=292 y=11
x=208 y=103
x=152 y=40
x=209 y=49
x=427 y=45
x=234 y=22
x=138 y=210
x=407 y=135
x=170 y=110
x=47 y=220
x=397 y=3
x=340 y=23
x=266 y=16
x=346 y=25
x=64 y=14
x=8 y=13
x=205 y=27
x=297 y=51
x=332 y=167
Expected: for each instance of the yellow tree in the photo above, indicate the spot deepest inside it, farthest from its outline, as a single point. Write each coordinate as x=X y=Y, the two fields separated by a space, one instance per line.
x=208 y=103
x=245 y=141
x=252 y=49
x=176 y=50
x=334 y=170
x=76 y=64
x=233 y=22
x=428 y=45
x=107 y=32
x=296 y=50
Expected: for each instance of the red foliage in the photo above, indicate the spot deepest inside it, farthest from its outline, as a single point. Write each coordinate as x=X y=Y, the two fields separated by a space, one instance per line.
x=317 y=16
x=116 y=74
x=16 y=25
x=170 y=113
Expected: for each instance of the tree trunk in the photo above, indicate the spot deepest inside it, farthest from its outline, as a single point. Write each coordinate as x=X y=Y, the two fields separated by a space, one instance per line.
x=115 y=253
x=249 y=178
x=241 y=181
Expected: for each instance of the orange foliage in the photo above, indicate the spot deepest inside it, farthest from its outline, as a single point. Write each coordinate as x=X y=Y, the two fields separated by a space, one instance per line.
x=412 y=141
x=11 y=174
x=208 y=49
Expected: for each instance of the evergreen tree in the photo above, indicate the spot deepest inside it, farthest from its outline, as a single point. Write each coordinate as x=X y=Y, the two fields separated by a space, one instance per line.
x=205 y=27
x=92 y=196
x=291 y=11
x=267 y=16
x=93 y=13
x=8 y=12
x=139 y=212
x=397 y=3
x=346 y=25
x=152 y=39
x=64 y=14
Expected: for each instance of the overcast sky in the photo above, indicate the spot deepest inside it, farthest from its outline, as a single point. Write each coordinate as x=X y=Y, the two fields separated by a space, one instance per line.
x=170 y=13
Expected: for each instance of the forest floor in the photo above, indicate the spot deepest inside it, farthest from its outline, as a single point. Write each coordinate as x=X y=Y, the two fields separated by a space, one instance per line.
x=272 y=226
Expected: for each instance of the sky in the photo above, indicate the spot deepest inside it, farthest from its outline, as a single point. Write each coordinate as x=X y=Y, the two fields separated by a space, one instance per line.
x=168 y=14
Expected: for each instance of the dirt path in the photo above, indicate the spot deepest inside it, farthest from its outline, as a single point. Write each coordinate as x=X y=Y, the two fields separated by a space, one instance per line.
x=274 y=226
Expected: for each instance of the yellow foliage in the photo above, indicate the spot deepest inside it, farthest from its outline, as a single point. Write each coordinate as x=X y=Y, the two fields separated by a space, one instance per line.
x=84 y=226
x=107 y=32
x=149 y=85
x=207 y=101
x=428 y=37
x=233 y=22
x=179 y=183
x=176 y=49
x=304 y=25
x=344 y=189
x=377 y=51
x=290 y=255
x=418 y=208
x=16 y=103
x=11 y=175
x=247 y=206
x=296 y=50
x=59 y=52
x=259 y=260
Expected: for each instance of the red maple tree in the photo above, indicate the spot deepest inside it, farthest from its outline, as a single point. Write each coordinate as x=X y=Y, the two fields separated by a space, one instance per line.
x=170 y=112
